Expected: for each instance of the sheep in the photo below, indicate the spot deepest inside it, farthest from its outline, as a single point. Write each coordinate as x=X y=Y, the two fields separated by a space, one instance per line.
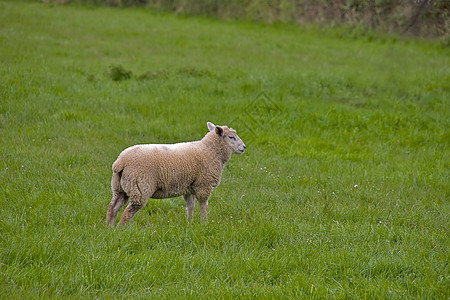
x=161 y=171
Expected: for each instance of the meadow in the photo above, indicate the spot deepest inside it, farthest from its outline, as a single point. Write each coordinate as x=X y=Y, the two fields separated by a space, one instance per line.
x=342 y=193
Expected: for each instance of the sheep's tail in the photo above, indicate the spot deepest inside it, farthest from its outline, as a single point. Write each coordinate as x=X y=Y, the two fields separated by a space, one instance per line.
x=117 y=175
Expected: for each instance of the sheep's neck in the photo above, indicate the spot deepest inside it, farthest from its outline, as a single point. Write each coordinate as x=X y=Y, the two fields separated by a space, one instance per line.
x=222 y=153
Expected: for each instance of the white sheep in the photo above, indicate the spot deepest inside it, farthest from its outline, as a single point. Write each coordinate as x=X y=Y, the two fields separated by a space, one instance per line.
x=157 y=171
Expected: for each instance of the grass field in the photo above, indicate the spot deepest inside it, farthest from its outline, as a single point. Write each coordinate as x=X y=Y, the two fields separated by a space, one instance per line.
x=343 y=191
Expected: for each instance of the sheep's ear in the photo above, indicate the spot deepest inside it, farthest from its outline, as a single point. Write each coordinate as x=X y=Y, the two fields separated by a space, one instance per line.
x=219 y=131
x=211 y=126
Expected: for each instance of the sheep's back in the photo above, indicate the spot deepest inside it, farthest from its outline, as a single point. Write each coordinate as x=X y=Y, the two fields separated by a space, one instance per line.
x=171 y=170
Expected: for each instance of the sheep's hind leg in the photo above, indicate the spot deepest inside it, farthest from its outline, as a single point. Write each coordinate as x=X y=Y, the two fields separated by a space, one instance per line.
x=130 y=211
x=118 y=200
x=190 y=204
x=136 y=203
x=139 y=196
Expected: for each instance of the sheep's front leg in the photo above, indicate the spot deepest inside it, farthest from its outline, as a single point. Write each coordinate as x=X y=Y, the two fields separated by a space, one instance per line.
x=190 y=204
x=204 y=210
x=203 y=198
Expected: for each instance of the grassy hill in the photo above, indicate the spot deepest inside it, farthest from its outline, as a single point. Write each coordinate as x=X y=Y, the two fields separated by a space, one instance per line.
x=343 y=191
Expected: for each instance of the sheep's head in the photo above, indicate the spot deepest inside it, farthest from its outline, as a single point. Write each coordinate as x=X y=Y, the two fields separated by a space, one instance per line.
x=229 y=136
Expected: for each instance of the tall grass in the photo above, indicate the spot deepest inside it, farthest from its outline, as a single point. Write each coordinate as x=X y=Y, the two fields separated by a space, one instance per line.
x=342 y=192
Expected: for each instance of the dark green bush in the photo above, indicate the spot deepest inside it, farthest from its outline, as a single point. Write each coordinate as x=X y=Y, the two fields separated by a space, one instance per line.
x=118 y=73
x=414 y=17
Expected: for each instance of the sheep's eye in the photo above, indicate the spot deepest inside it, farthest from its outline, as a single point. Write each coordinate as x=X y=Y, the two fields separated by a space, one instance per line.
x=231 y=137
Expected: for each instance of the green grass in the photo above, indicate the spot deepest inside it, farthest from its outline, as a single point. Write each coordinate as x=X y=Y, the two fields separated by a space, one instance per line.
x=343 y=191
